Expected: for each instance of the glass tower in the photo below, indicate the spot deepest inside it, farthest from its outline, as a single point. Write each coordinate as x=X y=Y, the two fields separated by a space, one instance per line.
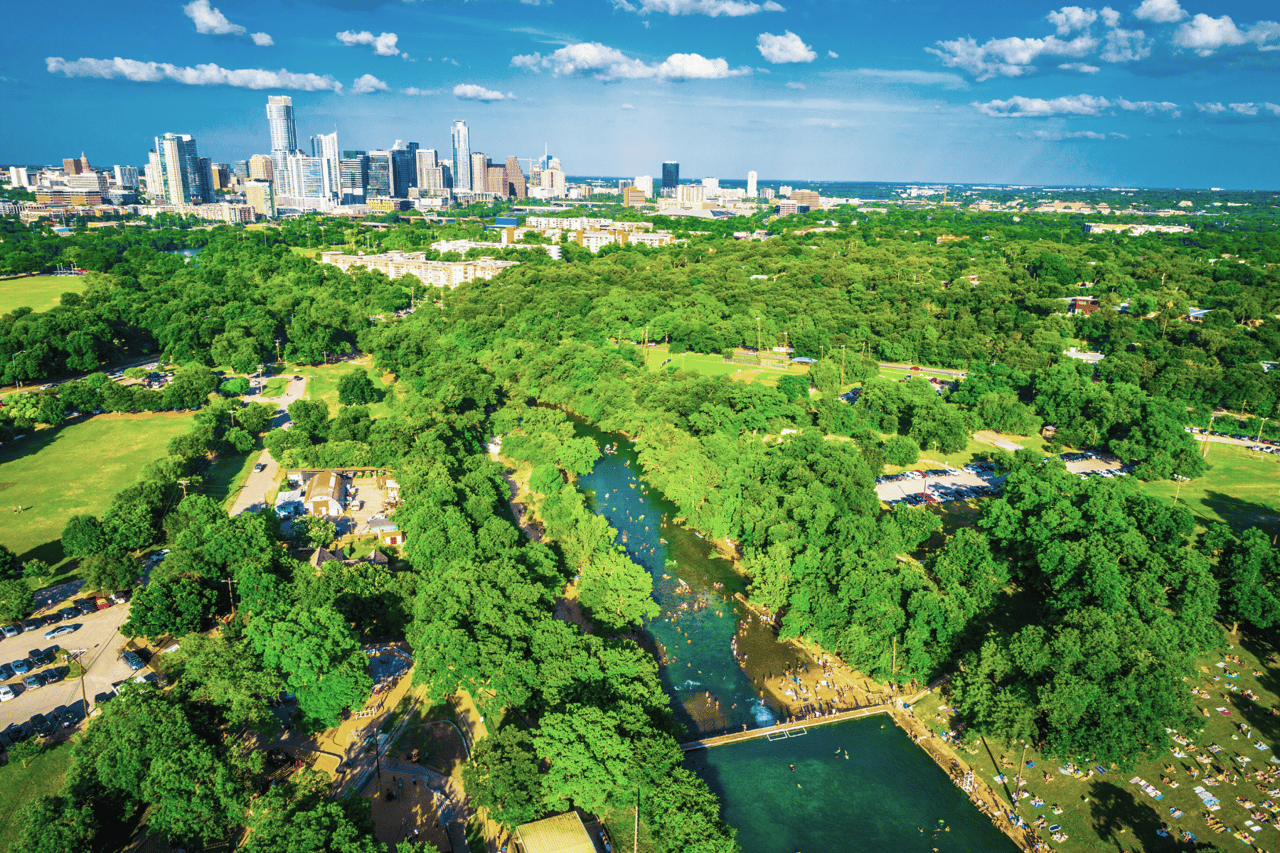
x=284 y=136
x=670 y=177
x=461 y=155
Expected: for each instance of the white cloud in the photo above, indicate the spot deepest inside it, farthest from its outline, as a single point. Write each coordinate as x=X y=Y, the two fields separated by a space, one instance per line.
x=1058 y=136
x=787 y=47
x=896 y=75
x=1204 y=34
x=1275 y=108
x=1009 y=57
x=1020 y=107
x=414 y=90
x=608 y=63
x=383 y=45
x=1068 y=19
x=368 y=83
x=1125 y=46
x=211 y=21
x=1082 y=67
x=1245 y=109
x=713 y=8
x=795 y=85
x=1149 y=107
x=200 y=75
x=472 y=92
x=1109 y=16
x=832 y=54
x=1160 y=11
x=628 y=106
x=1211 y=109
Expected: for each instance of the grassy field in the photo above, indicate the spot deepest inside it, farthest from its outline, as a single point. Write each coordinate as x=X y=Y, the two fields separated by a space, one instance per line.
x=227 y=475
x=1240 y=488
x=1103 y=812
x=714 y=365
x=40 y=293
x=322 y=383
x=57 y=473
x=20 y=784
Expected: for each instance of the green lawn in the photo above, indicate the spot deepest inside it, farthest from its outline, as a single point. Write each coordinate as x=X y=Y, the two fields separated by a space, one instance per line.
x=714 y=365
x=322 y=384
x=224 y=478
x=57 y=473
x=1240 y=488
x=19 y=784
x=1104 y=813
x=275 y=386
x=40 y=293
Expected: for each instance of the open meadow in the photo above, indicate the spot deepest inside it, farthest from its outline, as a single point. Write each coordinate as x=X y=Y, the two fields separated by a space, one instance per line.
x=39 y=293
x=54 y=474
x=322 y=383
x=714 y=365
x=1241 y=488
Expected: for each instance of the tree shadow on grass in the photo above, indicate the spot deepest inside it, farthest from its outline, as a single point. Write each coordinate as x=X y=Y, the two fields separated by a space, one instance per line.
x=1120 y=819
x=1265 y=724
x=52 y=554
x=1241 y=514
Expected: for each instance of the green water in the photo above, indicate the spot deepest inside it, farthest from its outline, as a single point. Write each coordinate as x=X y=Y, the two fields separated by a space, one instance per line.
x=879 y=799
x=716 y=658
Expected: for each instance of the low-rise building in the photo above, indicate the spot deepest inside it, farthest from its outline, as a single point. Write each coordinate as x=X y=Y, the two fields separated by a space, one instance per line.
x=324 y=494
x=436 y=273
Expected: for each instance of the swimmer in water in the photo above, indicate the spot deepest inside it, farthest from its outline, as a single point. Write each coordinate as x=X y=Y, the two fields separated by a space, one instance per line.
x=793 y=768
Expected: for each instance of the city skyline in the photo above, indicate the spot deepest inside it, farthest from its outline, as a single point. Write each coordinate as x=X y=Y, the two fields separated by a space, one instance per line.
x=1151 y=93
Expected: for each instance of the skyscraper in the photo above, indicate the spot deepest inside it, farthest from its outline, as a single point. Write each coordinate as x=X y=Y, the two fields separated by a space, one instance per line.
x=325 y=146
x=261 y=168
x=751 y=184
x=513 y=180
x=127 y=177
x=353 y=176
x=175 y=167
x=380 y=175
x=645 y=183
x=479 y=172
x=404 y=168
x=284 y=136
x=670 y=177
x=426 y=160
x=259 y=196
x=461 y=155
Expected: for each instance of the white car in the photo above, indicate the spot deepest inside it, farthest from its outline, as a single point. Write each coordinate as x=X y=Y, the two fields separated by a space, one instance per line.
x=6 y=693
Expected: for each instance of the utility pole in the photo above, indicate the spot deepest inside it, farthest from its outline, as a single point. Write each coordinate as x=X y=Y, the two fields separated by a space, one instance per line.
x=277 y=350
x=231 y=596
x=1264 y=423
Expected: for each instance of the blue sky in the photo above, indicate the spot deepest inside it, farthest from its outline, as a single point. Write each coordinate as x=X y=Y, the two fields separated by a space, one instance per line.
x=1149 y=93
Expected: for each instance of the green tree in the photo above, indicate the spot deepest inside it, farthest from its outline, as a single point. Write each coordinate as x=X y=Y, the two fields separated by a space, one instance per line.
x=240 y=439
x=111 y=570
x=226 y=672
x=502 y=777
x=356 y=388
x=901 y=451
x=312 y=531
x=54 y=824
x=616 y=591
x=83 y=536
x=321 y=658
x=298 y=815
x=255 y=417
x=9 y=563
x=16 y=600
x=1249 y=573
x=173 y=606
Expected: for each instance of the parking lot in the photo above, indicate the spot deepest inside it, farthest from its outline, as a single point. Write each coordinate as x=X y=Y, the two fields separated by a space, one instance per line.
x=99 y=645
x=979 y=480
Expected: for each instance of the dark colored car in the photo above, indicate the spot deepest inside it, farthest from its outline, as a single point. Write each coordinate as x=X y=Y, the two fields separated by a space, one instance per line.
x=44 y=725
x=50 y=619
x=21 y=667
x=54 y=674
x=17 y=733
x=44 y=657
x=68 y=613
x=133 y=660
x=6 y=672
x=32 y=624
x=67 y=716
x=85 y=606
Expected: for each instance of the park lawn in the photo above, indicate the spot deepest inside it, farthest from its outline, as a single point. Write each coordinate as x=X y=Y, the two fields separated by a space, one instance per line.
x=660 y=358
x=75 y=469
x=322 y=384
x=1105 y=812
x=19 y=784
x=39 y=293
x=275 y=386
x=226 y=475
x=1241 y=488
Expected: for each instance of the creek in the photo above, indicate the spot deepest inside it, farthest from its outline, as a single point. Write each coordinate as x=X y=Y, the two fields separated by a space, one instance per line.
x=718 y=658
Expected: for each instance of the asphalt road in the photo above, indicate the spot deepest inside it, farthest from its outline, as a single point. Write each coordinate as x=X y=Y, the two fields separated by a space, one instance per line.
x=253 y=495
x=102 y=643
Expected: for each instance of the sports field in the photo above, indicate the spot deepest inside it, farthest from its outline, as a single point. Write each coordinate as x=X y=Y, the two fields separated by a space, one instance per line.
x=39 y=293
x=1241 y=488
x=54 y=474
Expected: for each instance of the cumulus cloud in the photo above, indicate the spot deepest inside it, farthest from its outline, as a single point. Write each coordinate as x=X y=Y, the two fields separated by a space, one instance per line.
x=628 y=106
x=1068 y=19
x=1244 y=109
x=1160 y=11
x=1020 y=107
x=1149 y=107
x=472 y=92
x=794 y=85
x=1082 y=67
x=713 y=8
x=1125 y=46
x=832 y=54
x=1009 y=57
x=787 y=47
x=1204 y=34
x=1109 y=16
x=1275 y=108
x=368 y=83
x=608 y=63
x=211 y=21
x=1211 y=109
x=199 y=75
x=383 y=45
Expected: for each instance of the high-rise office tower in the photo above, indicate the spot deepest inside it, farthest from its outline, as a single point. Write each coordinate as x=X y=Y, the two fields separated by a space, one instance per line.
x=461 y=155
x=751 y=184
x=426 y=160
x=625 y=184
x=479 y=172
x=221 y=175
x=127 y=177
x=514 y=179
x=284 y=136
x=261 y=168
x=670 y=177
x=325 y=146
x=353 y=177
x=712 y=186
x=645 y=183
x=240 y=169
x=309 y=177
x=259 y=196
x=176 y=169
x=381 y=175
x=404 y=168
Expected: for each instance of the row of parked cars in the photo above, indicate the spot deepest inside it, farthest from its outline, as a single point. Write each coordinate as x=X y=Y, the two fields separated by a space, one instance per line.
x=42 y=725
x=25 y=669
x=76 y=609
x=946 y=494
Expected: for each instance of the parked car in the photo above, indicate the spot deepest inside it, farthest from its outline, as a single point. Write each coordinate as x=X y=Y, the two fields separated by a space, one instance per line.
x=50 y=619
x=44 y=657
x=133 y=660
x=119 y=597
x=34 y=681
x=68 y=613
x=54 y=674
x=6 y=693
x=61 y=631
x=44 y=725
x=17 y=733
x=102 y=603
x=259 y=467
x=85 y=606
x=67 y=716
x=6 y=672
x=10 y=630
x=32 y=624
x=21 y=667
